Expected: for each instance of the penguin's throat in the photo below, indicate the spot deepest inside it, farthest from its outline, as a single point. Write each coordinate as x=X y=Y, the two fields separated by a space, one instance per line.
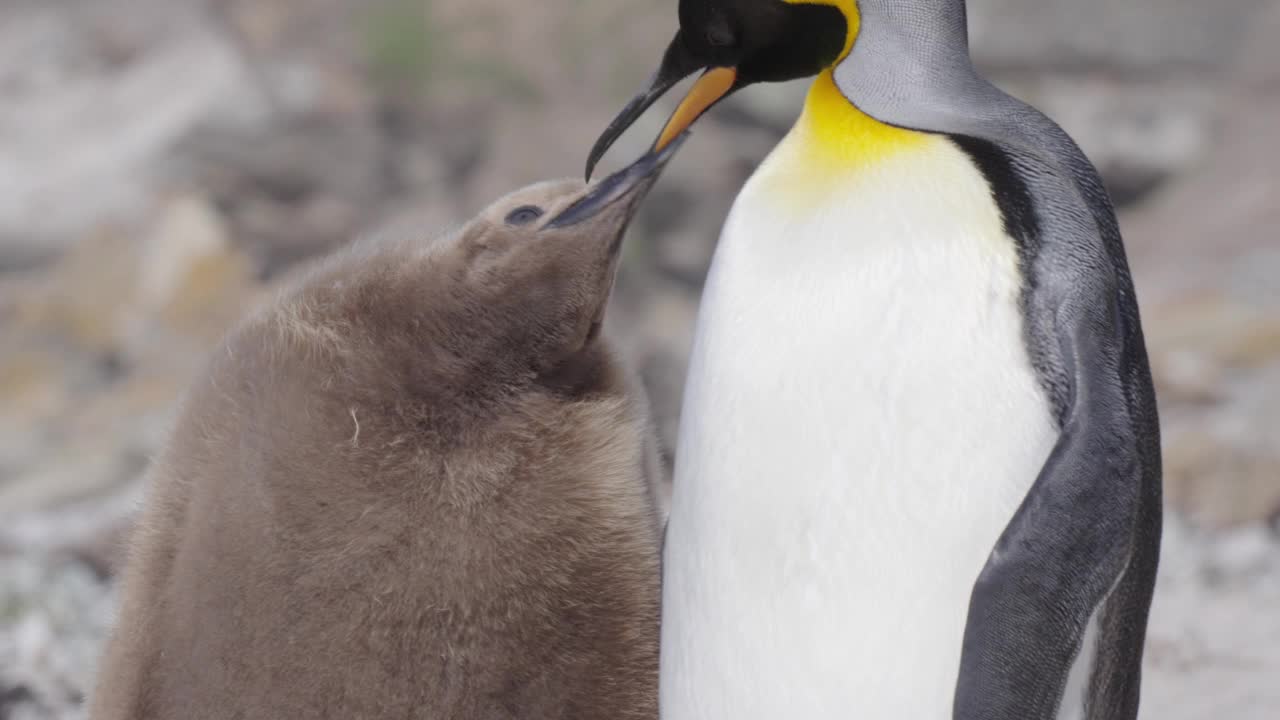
x=835 y=135
x=833 y=142
x=832 y=132
x=833 y=149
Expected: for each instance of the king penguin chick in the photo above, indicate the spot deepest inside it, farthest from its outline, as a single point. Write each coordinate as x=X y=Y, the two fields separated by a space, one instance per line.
x=418 y=486
x=918 y=467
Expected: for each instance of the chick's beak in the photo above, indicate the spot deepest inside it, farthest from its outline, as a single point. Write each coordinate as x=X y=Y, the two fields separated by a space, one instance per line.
x=617 y=197
x=677 y=64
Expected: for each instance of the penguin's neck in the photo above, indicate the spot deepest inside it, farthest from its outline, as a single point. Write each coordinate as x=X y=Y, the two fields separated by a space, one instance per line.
x=833 y=137
x=830 y=145
x=838 y=136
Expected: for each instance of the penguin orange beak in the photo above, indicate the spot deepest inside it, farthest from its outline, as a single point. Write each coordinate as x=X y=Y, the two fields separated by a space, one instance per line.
x=714 y=84
x=677 y=64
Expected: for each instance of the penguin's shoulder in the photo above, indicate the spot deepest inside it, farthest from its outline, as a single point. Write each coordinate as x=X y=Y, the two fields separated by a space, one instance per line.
x=1091 y=523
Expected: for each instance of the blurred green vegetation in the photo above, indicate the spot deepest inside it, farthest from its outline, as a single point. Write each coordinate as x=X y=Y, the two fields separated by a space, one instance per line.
x=413 y=52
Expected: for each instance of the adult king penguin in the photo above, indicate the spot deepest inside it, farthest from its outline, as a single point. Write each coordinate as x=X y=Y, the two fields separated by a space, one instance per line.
x=918 y=471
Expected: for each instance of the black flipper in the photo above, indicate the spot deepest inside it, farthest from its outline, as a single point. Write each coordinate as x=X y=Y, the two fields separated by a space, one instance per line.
x=1086 y=538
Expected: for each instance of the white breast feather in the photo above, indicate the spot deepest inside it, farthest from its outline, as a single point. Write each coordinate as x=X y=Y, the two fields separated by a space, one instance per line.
x=861 y=421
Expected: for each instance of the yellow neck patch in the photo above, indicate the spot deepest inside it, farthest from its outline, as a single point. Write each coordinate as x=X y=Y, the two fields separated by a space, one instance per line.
x=832 y=133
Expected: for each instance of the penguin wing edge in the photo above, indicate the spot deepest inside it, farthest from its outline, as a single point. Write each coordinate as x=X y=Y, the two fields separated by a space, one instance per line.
x=1075 y=551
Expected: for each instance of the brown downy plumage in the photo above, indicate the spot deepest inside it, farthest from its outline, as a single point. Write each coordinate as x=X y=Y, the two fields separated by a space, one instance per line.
x=418 y=486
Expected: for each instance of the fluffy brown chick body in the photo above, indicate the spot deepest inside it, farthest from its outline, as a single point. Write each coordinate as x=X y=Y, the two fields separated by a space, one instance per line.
x=419 y=485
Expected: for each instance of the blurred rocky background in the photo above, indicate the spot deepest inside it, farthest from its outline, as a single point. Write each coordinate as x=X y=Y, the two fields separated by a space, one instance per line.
x=164 y=164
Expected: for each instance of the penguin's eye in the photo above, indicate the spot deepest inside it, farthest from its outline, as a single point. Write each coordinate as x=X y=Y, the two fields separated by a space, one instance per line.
x=524 y=215
x=720 y=34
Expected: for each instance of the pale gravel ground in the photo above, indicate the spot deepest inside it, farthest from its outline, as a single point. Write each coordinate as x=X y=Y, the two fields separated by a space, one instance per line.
x=1213 y=647
x=54 y=616
x=1213 y=650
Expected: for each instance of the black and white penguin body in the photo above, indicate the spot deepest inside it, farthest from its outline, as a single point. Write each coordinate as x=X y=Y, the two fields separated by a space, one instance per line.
x=918 y=469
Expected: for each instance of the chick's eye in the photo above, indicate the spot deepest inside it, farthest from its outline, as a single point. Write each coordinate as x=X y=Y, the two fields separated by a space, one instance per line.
x=524 y=215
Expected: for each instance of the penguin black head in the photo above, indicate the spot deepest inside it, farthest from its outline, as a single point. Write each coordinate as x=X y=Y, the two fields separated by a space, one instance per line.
x=737 y=43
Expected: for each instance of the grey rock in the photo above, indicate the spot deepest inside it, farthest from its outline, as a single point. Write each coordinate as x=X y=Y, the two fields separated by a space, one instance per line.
x=1206 y=252
x=54 y=618
x=1211 y=642
x=1134 y=36
x=82 y=129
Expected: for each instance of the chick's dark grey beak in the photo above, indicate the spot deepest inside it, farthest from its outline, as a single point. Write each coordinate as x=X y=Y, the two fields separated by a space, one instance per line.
x=621 y=191
x=677 y=64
